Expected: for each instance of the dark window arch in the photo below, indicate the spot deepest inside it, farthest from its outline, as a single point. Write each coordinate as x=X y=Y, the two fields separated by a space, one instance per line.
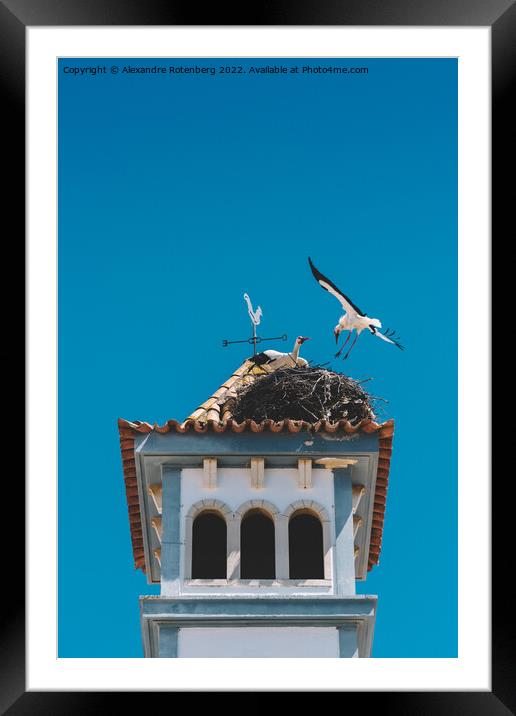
x=209 y=536
x=257 y=551
x=305 y=546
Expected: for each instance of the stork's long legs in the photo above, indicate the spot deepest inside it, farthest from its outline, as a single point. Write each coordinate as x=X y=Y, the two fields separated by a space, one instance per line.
x=342 y=346
x=351 y=348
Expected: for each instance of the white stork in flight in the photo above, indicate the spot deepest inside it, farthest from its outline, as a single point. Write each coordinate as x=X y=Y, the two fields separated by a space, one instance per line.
x=353 y=318
x=275 y=359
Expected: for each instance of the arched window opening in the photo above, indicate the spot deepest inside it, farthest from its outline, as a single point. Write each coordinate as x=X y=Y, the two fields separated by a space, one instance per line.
x=305 y=543
x=209 y=535
x=257 y=558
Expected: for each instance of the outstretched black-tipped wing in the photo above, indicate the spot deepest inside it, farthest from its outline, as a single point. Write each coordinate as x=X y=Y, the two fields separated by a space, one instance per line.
x=329 y=286
x=387 y=335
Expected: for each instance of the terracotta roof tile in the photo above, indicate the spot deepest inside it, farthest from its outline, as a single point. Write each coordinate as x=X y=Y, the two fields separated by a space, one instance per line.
x=206 y=418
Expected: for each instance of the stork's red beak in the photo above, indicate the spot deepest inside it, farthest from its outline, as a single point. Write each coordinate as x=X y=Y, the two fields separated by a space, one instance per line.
x=337 y=334
x=304 y=338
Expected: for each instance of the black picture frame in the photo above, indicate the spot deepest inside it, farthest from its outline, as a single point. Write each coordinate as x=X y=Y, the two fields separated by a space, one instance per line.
x=500 y=16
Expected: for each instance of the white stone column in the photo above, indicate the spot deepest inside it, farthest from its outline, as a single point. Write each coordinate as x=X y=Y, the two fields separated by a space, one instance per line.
x=281 y=546
x=233 y=546
x=171 y=534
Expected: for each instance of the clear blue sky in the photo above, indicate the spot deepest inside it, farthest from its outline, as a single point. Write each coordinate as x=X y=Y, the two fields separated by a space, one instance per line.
x=177 y=194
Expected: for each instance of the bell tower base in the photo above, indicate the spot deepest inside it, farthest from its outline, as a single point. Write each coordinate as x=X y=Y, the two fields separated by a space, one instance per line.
x=328 y=626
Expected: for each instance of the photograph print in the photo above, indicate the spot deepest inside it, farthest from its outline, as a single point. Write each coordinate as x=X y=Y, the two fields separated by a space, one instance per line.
x=257 y=346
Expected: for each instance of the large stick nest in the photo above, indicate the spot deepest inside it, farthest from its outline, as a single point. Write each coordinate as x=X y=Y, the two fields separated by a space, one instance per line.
x=302 y=393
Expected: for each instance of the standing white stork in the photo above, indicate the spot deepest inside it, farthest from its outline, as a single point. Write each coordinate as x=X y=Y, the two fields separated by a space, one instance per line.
x=353 y=318
x=275 y=359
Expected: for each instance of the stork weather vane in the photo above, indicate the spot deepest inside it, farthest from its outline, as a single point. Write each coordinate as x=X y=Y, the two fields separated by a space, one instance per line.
x=255 y=317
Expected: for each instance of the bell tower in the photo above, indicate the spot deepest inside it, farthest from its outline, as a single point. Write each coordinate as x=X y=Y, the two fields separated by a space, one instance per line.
x=256 y=531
